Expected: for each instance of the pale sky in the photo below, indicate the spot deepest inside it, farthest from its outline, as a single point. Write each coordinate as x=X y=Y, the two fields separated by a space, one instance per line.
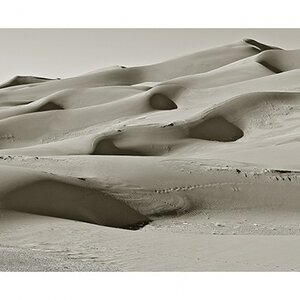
x=70 y=52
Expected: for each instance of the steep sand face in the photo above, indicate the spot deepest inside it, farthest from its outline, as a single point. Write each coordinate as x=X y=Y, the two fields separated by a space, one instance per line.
x=65 y=198
x=215 y=133
x=280 y=61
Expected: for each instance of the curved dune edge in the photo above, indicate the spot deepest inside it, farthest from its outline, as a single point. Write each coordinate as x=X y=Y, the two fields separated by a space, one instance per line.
x=161 y=102
x=69 y=200
x=260 y=46
x=216 y=128
x=108 y=147
x=22 y=80
x=279 y=61
x=195 y=63
x=132 y=206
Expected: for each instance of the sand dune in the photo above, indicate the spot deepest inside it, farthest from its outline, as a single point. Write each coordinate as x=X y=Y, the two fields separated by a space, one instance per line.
x=210 y=135
x=69 y=198
x=21 y=80
x=279 y=61
x=200 y=62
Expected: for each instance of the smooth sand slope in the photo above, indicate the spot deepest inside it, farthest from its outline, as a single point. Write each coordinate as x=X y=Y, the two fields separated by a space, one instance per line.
x=195 y=158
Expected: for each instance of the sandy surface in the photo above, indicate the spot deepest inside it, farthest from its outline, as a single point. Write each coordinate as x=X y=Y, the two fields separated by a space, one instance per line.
x=47 y=244
x=191 y=164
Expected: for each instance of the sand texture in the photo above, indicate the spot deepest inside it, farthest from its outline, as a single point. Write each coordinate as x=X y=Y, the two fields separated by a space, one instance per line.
x=191 y=164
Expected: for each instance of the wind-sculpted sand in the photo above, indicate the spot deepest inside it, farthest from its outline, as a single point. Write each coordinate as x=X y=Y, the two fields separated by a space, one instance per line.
x=179 y=152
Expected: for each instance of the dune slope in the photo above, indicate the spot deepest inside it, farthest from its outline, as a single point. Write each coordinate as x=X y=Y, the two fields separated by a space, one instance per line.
x=212 y=135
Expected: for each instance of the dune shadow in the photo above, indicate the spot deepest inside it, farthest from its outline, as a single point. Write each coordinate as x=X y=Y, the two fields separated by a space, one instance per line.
x=23 y=80
x=68 y=201
x=107 y=147
x=49 y=106
x=161 y=102
x=216 y=129
x=269 y=66
x=259 y=46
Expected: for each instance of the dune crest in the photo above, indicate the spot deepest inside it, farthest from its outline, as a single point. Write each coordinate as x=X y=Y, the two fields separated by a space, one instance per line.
x=23 y=80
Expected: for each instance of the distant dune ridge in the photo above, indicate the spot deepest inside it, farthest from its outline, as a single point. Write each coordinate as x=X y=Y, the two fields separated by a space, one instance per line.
x=22 y=80
x=217 y=130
